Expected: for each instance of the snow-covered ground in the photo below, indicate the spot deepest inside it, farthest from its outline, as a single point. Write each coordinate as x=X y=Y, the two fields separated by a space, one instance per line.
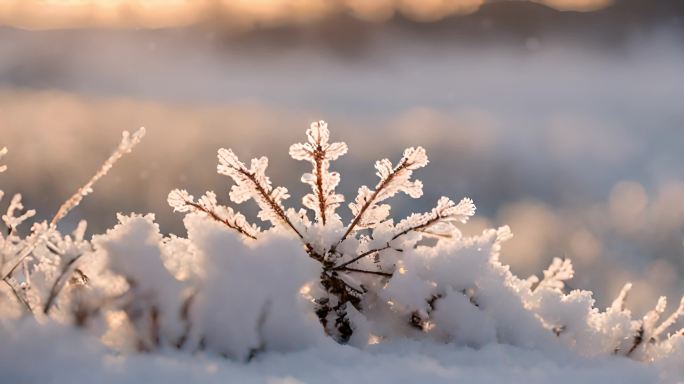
x=39 y=354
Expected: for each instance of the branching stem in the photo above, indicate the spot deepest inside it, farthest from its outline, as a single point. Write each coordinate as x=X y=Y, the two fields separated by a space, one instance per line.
x=379 y=188
x=216 y=217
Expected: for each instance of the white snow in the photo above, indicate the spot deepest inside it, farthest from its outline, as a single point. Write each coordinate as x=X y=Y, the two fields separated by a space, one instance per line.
x=51 y=354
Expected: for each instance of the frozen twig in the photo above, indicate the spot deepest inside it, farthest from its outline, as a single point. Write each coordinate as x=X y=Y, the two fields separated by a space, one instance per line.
x=128 y=142
x=182 y=201
x=319 y=152
x=392 y=180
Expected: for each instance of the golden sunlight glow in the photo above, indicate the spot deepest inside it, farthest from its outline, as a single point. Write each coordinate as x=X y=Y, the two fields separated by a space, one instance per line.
x=305 y=290
x=242 y=14
x=373 y=339
x=577 y=5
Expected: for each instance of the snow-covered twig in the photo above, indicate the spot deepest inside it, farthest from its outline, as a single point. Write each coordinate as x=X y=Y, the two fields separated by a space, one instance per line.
x=182 y=201
x=319 y=152
x=392 y=180
x=128 y=142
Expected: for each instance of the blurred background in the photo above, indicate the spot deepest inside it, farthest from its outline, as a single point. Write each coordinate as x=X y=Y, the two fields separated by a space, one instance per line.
x=561 y=118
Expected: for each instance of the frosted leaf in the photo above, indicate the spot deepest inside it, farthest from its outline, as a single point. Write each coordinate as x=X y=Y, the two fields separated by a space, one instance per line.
x=207 y=205
x=128 y=141
x=310 y=201
x=13 y=218
x=252 y=183
x=300 y=152
x=3 y=152
x=240 y=193
x=651 y=318
x=373 y=215
x=208 y=200
x=415 y=158
x=392 y=180
x=319 y=152
x=318 y=134
x=556 y=274
x=178 y=200
x=619 y=302
x=335 y=150
x=671 y=320
x=258 y=168
x=460 y=212
x=229 y=162
x=384 y=168
x=79 y=232
x=279 y=194
x=440 y=222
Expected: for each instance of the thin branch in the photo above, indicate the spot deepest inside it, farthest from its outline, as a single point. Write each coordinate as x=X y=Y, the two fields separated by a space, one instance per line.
x=59 y=284
x=281 y=214
x=670 y=320
x=638 y=340
x=272 y=204
x=371 y=201
x=18 y=296
x=127 y=144
x=185 y=317
x=380 y=273
x=418 y=228
x=23 y=255
x=359 y=257
x=318 y=157
x=216 y=217
x=396 y=236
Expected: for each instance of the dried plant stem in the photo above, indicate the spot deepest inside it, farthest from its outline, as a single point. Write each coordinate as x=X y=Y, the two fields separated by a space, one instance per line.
x=23 y=255
x=638 y=340
x=318 y=156
x=18 y=296
x=59 y=284
x=127 y=144
x=379 y=273
x=359 y=257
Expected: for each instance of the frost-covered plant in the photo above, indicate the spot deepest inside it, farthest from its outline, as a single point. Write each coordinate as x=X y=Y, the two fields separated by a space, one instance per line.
x=234 y=289
x=35 y=269
x=374 y=279
x=342 y=253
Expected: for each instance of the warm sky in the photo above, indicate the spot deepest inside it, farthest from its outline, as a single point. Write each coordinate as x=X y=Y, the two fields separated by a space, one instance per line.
x=49 y=14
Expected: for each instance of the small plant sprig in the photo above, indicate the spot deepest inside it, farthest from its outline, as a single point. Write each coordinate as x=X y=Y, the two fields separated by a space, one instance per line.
x=369 y=213
x=18 y=255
